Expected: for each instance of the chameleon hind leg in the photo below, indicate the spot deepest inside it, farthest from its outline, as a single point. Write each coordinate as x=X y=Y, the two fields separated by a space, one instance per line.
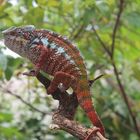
x=63 y=80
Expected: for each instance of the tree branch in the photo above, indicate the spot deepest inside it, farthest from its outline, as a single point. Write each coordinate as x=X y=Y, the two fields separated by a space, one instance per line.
x=124 y=95
x=101 y=42
x=75 y=128
x=121 y=5
x=77 y=30
x=64 y=115
x=23 y=101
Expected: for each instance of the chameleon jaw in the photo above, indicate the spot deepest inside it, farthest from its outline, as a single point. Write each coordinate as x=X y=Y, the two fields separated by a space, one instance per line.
x=7 y=31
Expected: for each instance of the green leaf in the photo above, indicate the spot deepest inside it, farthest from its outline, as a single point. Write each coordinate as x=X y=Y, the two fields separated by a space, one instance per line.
x=10 y=133
x=53 y=3
x=3 y=61
x=37 y=12
x=136 y=72
x=32 y=123
x=133 y=19
x=13 y=64
x=5 y=117
x=41 y=2
x=133 y=137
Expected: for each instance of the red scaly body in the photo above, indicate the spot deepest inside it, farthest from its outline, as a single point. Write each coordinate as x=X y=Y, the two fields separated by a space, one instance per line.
x=56 y=56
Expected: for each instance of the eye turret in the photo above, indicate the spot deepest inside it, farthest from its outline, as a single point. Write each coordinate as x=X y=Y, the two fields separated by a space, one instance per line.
x=28 y=27
x=19 y=31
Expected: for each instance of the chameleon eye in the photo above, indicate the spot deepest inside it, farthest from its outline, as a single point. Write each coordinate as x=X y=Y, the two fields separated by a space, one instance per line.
x=19 y=32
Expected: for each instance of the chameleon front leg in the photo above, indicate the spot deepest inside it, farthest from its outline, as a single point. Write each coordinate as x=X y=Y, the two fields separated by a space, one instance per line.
x=64 y=79
x=40 y=63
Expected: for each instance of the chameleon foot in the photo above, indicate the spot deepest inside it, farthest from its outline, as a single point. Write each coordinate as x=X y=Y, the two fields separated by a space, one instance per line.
x=61 y=87
x=93 y=131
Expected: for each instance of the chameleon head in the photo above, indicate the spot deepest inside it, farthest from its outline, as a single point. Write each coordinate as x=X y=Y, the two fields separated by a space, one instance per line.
x=18 y=38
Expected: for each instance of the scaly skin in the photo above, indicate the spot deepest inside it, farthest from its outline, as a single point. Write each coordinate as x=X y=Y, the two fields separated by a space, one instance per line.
x=57 y=56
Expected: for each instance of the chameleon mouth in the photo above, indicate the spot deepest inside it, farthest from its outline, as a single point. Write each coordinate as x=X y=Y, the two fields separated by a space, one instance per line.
x=9 y=41
x=7 y=31
x=15 y=44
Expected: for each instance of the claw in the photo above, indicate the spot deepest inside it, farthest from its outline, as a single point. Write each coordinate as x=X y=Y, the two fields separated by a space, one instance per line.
x=61 y=87
x=94 y=131
x=54 y=126
x=30 y=73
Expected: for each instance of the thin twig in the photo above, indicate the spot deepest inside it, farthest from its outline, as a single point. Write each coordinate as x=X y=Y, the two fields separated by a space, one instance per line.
x=101 y=42
x=126 y=125
x=117 y=21
x=95 y=79
x=81 y=29
x=124 y=94
x=25 y=102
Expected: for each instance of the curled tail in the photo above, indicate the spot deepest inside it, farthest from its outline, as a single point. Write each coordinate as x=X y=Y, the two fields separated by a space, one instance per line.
x=85 y=101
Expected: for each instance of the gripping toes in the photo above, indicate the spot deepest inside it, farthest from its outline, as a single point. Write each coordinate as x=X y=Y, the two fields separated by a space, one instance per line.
x=30 y=73
x=93 y=131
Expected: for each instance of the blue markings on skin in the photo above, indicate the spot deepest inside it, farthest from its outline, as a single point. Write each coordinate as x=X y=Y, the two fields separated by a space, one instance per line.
x=48 y=44
x=45 y=41
x=57 y=48
x=60 y=50
x=68 y=57
x=53 y=46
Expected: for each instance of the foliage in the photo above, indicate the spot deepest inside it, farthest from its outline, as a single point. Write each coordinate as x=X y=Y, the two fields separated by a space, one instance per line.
x=74 y=19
